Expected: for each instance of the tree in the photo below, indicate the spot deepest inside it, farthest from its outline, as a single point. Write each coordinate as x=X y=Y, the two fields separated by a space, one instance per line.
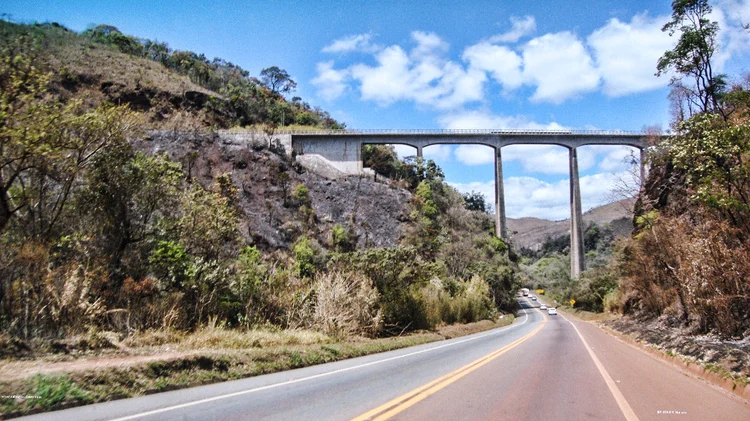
x=277 y=80
x=714 y=154
x=108 y=34
x=45 y=146
x=380 y=158
x=691 y=56
x=475 y=201
x=127 y=193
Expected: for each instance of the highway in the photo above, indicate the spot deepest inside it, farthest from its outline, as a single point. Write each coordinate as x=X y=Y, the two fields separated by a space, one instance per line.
x=541 y=367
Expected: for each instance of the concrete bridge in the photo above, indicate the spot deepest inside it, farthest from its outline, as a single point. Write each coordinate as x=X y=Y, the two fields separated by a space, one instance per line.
x=343 y=151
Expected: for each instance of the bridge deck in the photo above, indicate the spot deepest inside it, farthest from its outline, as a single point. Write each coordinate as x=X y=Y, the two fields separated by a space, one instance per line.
x=493 y=138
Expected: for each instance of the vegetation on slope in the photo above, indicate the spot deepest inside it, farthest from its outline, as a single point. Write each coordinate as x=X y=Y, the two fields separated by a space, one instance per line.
x=689 y=260
x=174 y=89
x=548 y=269
x=100 y=236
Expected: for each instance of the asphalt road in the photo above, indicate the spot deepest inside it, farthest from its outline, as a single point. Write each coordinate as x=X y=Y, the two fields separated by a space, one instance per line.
x=539 y=368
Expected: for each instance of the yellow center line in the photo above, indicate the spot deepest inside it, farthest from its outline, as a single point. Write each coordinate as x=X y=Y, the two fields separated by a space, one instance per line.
x=401 y=403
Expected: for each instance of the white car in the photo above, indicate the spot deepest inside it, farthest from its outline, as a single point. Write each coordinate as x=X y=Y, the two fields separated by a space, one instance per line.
x=543 y=307
x=533 y=298
x=552 y=311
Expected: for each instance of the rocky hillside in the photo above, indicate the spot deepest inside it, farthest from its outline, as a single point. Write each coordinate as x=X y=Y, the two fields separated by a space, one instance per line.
x=531 y=232
x=372 y=212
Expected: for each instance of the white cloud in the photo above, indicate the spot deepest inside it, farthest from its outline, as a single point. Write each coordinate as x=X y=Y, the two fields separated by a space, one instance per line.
x=560 y=67
x=404 y=150
x=626 y=54
x=598 y=189
x=331 y=83
x=733 y=37
x=440 y=153
x=429 y=45
x=541 y=159
x=485 y=120
x=475 y=154
x=616 y=158
x=619 y=58
x=501 y=62
x=521 y=27
x=423 y=76
x=531 y=197
x=384 y=83
x=352 y=43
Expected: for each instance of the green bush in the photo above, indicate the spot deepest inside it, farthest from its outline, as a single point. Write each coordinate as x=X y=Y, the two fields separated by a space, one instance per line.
x=308 y=257
x=399 y=275
x=340 y=239
x=53 y=390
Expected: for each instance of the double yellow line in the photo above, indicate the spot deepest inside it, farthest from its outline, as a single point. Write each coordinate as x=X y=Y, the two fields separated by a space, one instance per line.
x=407 y=400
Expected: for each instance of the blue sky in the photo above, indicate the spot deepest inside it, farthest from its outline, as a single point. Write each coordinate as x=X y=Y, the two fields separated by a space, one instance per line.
x=446 y=64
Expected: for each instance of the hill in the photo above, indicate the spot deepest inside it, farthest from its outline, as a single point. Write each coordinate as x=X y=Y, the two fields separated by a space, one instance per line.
x=173 y=89
x=532 y=232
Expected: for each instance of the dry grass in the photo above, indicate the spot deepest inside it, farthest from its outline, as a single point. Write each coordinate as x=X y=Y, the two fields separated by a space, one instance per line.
x=346 y=305
x=219 y=338
x=217 y=355
x=77 y=56
x=454 y=331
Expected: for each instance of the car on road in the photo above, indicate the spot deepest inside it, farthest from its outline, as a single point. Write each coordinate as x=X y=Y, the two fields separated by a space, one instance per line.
x=543 y=307
x=533 y=298
x=552 y=311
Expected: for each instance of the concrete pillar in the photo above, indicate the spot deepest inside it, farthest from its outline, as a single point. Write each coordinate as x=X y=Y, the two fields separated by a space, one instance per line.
x=419 y=152
x=501 y=229
x=644 y=170
x=577 y=264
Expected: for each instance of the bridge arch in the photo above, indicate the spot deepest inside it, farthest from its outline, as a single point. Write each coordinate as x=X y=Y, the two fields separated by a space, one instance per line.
x=343 y=149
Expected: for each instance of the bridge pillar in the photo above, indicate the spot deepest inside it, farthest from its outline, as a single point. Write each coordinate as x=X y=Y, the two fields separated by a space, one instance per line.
x=419 y=152
x=501 y=229
x=644 y=170
x=577 y=264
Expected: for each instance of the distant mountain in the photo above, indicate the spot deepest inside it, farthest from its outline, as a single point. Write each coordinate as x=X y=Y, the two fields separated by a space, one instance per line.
x=531 y=232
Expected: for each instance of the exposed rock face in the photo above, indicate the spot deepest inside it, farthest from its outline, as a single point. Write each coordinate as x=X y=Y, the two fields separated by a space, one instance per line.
x=374 y=212
x=664 y=190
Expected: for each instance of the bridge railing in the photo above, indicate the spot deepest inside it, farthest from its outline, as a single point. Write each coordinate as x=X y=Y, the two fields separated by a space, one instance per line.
x=447 y=132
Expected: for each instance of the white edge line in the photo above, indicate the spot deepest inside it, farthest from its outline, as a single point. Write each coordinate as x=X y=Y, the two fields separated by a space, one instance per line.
x=316 y=376
x=627 y=411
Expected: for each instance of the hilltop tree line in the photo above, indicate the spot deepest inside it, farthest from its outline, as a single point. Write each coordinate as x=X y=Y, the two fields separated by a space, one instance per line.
x=238 y=98
x=253 y=100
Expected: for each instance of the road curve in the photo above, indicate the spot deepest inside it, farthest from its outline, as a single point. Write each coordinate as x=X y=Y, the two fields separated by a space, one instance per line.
x=572 y=370
x=541 y=367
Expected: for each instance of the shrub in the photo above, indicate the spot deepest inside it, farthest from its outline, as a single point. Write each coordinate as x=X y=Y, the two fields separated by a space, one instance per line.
x=346 y=304
x=399 y=274
x=308 y=256
x=692 y=265
x=340 y=239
